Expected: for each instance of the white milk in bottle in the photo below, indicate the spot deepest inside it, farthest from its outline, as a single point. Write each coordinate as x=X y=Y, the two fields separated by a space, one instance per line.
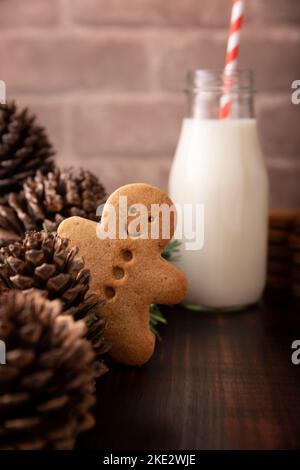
x=219 y=166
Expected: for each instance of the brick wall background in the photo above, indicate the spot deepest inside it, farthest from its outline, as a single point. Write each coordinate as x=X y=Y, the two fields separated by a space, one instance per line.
x=106 y=78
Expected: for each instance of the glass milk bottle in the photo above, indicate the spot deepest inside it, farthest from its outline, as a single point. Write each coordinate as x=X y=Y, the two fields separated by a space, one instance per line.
x=219 y=165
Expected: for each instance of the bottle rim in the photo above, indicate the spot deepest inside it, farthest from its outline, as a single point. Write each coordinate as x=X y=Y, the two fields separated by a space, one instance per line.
x=215 y=80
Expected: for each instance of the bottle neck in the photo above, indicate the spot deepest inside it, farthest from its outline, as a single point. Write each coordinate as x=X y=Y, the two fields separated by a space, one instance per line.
x=205 y=105
x=205 y=88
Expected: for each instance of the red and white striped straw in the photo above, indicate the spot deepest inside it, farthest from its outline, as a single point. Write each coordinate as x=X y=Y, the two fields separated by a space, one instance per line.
x=236 y=21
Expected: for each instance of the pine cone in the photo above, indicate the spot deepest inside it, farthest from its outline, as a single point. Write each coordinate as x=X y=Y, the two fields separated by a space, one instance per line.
x=46 y=200
x=24 y=148
x=47 y=384
x=7 y=237
x=43 y=261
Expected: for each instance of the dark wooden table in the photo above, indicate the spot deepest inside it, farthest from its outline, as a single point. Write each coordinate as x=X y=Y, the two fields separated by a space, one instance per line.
x=217 y=381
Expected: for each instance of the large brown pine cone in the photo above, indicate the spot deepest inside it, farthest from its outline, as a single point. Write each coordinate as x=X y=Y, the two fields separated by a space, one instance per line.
x=46 y=200
x=44 y=261
x=7 y=237
x=47 y=384
x=24 y=148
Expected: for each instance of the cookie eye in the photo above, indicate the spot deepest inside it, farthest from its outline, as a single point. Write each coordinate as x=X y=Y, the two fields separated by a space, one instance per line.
x=109 y=292
x=132 y=210
x=118 y=272
x=150 y=219
x=127 y=255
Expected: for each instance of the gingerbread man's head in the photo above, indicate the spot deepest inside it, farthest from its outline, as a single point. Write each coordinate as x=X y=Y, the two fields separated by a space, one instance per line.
x=140 y=211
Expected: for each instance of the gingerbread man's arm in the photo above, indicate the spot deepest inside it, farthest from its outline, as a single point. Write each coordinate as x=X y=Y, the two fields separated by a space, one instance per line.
x=169 y=284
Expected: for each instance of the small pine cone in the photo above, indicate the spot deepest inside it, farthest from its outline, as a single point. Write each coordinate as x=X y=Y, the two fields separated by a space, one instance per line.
x=47 y=384
x=7 y=237
x=43 y=261
x=3 y=289
x=46 y=200
x=24 y=148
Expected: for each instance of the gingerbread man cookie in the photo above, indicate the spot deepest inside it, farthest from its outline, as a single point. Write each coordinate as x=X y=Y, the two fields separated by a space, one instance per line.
x=123 y=253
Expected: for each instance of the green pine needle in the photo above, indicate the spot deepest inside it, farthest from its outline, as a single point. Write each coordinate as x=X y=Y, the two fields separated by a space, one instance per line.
x=45 y=228
x=195 y=308
x=170 y=253
x=90 y=322
x=156 y=317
